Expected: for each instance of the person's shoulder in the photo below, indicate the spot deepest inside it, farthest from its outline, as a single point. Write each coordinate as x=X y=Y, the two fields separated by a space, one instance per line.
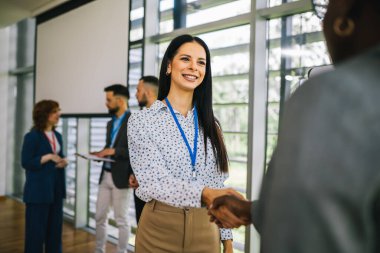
x=155 y=108
x=58 y=134
x=135 y=119
x=363 y=68
x=33 y=134
x=147 y=113
x=138 y=117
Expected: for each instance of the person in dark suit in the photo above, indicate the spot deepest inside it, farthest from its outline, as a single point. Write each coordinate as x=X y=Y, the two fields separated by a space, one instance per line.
x=146 y=95
x=45 y=186
x=113 y=182
x=321 y=191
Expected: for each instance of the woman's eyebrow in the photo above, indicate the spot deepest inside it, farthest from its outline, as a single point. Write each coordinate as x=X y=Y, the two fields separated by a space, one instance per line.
x=191 y=57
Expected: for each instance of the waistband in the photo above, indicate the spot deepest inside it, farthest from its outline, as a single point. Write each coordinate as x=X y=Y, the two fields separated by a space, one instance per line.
x=154 y=204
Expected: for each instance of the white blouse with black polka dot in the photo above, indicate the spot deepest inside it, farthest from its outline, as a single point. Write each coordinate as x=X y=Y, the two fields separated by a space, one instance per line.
x=162 y=163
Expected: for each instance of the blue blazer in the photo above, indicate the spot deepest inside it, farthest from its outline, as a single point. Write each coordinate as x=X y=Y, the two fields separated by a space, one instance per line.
x=44 y=182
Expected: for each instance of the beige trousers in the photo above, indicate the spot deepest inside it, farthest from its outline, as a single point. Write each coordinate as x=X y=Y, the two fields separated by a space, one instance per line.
x=166 y=229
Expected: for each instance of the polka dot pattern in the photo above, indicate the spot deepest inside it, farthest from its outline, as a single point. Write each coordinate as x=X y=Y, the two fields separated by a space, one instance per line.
x=161 y=160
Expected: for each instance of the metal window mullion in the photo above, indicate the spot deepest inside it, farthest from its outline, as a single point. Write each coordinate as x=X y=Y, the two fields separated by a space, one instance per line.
x=179 y=14
x=256 y=113
x=22 y=71
x=151 y=28
x=305 y=38
x=286 y=9
x=193 y=7
x=286 y=29
x=82 y=174
x=130 y=27
x=242 y=19
x=236 y=104
x=235 y=133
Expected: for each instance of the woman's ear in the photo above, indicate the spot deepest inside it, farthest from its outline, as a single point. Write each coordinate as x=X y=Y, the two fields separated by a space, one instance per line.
x=169 y=69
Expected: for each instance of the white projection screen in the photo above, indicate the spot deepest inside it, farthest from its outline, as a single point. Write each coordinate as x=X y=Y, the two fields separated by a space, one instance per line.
x=79 y=53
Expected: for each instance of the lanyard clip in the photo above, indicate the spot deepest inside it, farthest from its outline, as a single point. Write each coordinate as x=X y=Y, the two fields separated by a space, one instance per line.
x=194 y=175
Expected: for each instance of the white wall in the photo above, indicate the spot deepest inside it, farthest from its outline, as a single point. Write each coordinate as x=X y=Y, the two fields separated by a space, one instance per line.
x=81 y=52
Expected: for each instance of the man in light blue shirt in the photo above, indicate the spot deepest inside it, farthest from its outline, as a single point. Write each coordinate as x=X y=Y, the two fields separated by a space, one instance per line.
x=113 y=182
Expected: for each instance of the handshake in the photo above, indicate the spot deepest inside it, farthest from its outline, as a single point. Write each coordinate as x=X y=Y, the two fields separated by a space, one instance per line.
x=227 y=208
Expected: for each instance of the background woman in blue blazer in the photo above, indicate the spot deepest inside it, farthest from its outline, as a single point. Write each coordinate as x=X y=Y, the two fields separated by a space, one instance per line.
x=45 y=189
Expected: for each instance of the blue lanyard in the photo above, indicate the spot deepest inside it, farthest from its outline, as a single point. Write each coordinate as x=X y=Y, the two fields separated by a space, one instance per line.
x=116 y=129
x=193 y=154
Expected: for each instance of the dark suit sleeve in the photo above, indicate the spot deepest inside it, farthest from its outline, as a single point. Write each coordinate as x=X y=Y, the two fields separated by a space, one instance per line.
x=121 y=150
x=121 y=153
x=29 y=160
x=255 y=217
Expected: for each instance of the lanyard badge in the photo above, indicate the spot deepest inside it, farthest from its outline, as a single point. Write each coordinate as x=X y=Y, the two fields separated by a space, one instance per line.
x=193 y=153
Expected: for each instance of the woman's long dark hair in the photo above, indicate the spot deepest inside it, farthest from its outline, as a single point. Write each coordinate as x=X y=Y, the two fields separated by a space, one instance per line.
x=202 y=98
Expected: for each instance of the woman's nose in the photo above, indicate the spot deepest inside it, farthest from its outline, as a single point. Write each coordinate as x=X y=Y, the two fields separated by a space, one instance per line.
x=193 y=65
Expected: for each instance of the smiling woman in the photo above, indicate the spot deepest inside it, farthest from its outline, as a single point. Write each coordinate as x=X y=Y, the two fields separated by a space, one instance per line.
x=187 y=69
x=178 y=155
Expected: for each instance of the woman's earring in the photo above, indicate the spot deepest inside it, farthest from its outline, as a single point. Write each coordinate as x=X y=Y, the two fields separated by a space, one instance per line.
x=167 y=73
x=344 y=27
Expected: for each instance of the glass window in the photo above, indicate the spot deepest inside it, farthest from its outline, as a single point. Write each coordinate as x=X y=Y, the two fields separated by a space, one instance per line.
x=136 y=20
x=135 y=73
x=68 y=128
x=136 y=33
x=201 y=12
x=166 y=16
x=289 y=58
x=98 y=130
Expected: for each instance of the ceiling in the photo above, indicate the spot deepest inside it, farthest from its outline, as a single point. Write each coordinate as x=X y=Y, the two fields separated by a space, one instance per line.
x=12 y=11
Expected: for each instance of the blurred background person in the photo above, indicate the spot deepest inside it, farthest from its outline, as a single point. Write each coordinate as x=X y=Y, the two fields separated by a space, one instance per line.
x=113 y=181
x=146 y=94
x=321 y=191
x=147 y=91
x=45 y=185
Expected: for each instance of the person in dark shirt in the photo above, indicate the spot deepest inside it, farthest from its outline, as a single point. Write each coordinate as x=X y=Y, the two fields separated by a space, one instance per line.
x=321 y=192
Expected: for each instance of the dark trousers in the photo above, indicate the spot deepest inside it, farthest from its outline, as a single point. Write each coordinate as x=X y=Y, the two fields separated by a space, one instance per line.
x=139 y=206
x=43 y=227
